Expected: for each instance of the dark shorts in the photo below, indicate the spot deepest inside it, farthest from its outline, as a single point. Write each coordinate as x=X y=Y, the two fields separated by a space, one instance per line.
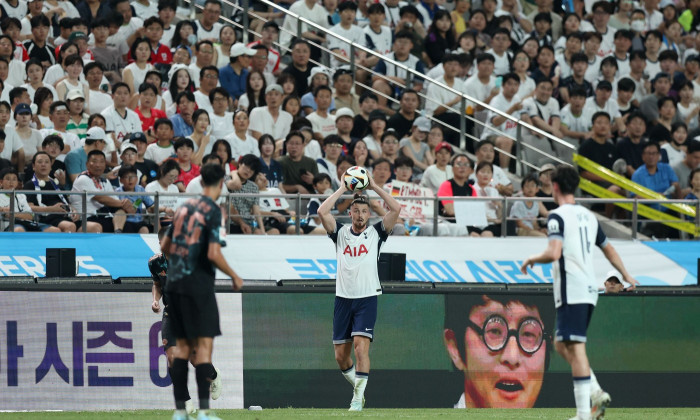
x=495 y=229
x=572 y=322
x=134 y=227
x=193 y=316
x=106 y=222
x=166 y=330
x=353 y=317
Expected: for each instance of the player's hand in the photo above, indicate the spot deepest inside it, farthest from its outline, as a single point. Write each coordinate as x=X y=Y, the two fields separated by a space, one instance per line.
x=633 y=283
x=155 y=306
x=237 y=283
x=527 y=264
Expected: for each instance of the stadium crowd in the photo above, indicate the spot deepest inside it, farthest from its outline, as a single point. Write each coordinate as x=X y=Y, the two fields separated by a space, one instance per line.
x=134 y=96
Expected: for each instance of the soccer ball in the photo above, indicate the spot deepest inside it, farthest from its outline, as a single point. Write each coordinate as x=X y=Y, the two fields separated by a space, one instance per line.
x=356 y=178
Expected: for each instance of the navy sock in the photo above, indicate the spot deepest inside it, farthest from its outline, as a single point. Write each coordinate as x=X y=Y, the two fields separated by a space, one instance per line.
x=178 y=374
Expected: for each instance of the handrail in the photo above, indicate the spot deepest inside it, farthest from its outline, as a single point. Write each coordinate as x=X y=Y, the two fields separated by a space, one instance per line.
x=301 y=20
x=633 y=203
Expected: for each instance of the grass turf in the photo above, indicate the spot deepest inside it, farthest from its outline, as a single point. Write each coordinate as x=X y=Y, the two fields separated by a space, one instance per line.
x=299 y=413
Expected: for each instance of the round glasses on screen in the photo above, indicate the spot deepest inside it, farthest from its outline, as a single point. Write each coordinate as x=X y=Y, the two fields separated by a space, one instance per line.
x=495 y=333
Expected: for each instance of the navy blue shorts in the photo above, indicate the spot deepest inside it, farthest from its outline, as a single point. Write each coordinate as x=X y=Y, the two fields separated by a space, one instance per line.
x=572 y=322
x=354 y=317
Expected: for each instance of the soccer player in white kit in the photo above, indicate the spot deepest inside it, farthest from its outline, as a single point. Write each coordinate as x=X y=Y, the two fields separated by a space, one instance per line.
x=357 y=282
x=573 y=230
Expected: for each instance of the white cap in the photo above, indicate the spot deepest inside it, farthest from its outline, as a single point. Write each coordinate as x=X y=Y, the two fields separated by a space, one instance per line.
x=616 y=274
x=95 y=133
x=126 y=146
x=316 y=70
x=344 y=112
x=75 y=94
x=240 y=49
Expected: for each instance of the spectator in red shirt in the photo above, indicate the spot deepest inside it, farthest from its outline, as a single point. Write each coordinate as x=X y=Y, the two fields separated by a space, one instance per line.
x=160 y=53
x=184 y=148
x=148 y=95
x=457 y=186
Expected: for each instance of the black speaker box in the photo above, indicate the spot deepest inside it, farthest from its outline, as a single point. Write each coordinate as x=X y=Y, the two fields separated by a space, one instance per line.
x=60 y=262
x=392 y=267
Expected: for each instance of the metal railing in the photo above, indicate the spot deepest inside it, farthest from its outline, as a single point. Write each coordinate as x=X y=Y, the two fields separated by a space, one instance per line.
x=520 y=146
x=431 y=222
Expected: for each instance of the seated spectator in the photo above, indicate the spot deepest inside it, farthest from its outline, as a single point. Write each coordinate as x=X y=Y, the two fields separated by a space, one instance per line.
x=457 y=186
x=625 y=94
x=135 y=73
x=494 y=211
x=208 y=80
x=390 y=147
x=601 y=102
x=221 y=118
x=35 y=75
x=201 y=137
x=168 y=172
x=31 y=139
x=683 y=168
x=106 y=211
x=146 y=110
x=687 y=110
x=343 y=95
x=76 y=161
x=402 y=121
x=254 y=95
x=542 y=111
x=300 y=67
x=298 y=170
x=274 y=210
x=360 y=154
x=526 y=212
x=403 y=169
x=485 y=152
x=161 y=57
x=373 y=139
x=319 y=77
x=241 y=142
x=245 y=213
x=416 y=147
x=121 y=121
x=389 y=79
x=195 y=186
x=268 y=165
x=332 y=148
x=128 y=179
x=182 y=124
x=441 y=170
x=546 y=187
x=322 y=121
x=270 y=119
x=509 y=102
x=23 y=214
x=694 y=181
x=52 y=210
x=661 y=131
x=577 y=80
x=147 y=168
x=78 y=120
x=630 y=148
x=163 y=148
x=184 y=149
x=343 y=124
x=649 y=107
x=360 y=124
x=658 y=177
x=180 y=81
x=314 y=226
x=37 y=46
x=52 y=145
x=675 y=150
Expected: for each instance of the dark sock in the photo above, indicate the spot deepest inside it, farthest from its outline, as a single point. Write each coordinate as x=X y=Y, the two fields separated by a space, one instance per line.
x=205 y=372
x=178 y=374
x=170 y=371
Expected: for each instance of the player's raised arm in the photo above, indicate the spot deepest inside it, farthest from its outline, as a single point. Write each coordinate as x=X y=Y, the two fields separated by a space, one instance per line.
x=392 y=215
x=611 y=254
x=324 y=211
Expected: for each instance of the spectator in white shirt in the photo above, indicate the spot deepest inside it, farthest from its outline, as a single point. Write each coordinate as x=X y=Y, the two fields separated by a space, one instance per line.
x=270 y=119
x=510 y=103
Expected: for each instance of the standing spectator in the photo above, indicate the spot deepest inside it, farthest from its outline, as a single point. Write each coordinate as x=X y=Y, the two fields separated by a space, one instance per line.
x=270 y=119
x=390 y=79
x=300 y=67
x=208 y=25
x=402 y=121
x=542 y=111
x=233 y=77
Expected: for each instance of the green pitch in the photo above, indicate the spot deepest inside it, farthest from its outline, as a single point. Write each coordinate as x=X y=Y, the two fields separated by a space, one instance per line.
x=306 y=414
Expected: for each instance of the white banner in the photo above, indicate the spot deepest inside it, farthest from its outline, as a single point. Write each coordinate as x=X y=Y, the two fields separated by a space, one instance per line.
x=418 y=210
x=473 y=260
x=89 y=351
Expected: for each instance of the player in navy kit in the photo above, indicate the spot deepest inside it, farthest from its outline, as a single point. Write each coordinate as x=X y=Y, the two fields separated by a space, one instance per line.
x=357 y=282
x=573 y=230
x=193 y=248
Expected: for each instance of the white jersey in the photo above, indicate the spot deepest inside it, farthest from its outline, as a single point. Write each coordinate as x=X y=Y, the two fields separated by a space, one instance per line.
x=574 y=274
x=357 y=275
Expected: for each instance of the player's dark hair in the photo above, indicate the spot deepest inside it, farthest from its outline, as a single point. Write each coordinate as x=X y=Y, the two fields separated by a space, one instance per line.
x=359 y=198
x=567 y=178
x=212 y=175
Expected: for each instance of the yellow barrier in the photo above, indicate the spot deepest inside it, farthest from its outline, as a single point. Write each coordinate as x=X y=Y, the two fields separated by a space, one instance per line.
x=642 y=209
x=630 y=186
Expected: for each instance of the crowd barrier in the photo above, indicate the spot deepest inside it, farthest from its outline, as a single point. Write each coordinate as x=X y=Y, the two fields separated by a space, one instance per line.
x=428 y=259
x=96 y=350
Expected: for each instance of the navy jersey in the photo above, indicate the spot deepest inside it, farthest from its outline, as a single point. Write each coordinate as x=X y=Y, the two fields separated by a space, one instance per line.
x=195 y=225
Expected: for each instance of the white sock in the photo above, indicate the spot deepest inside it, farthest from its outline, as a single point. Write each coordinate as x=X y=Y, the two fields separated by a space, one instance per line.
x=361 y=379
x=595 y=386
x=582 y=395
x=349 y=374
